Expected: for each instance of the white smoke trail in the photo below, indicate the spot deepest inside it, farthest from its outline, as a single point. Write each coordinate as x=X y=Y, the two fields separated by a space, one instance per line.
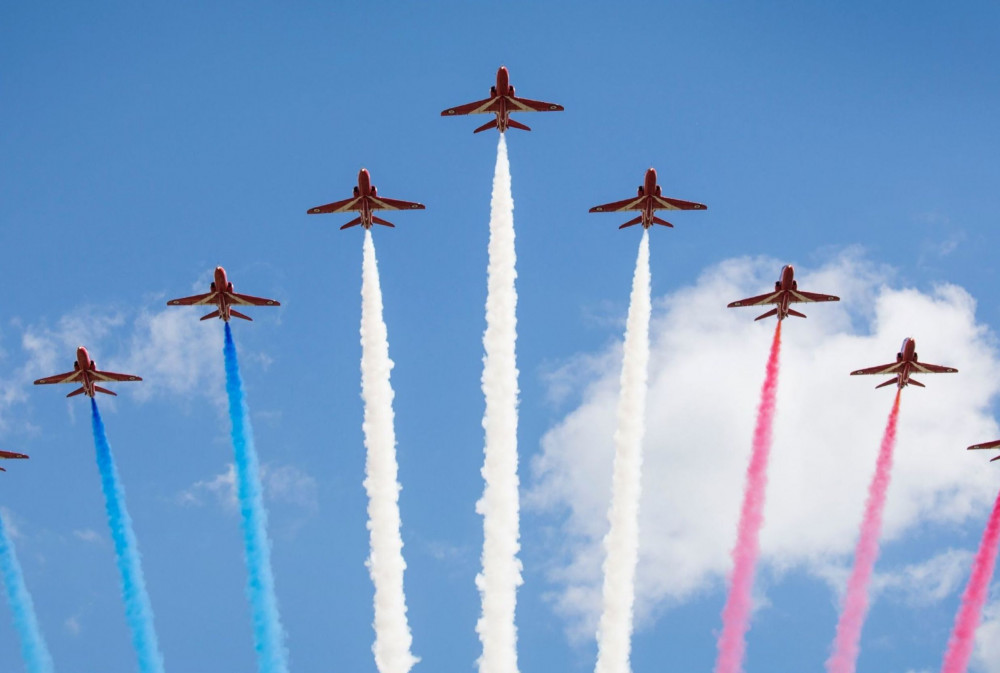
x=385 y=564
x=501 y=574
x=621 y=544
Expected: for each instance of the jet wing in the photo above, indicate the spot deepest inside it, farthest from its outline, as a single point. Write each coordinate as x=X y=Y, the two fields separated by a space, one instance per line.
x=11 y=454
x=666 y=203
x=798 y=297
x=987 y=445
x=925 y=368
x=635 y=203
x=893 y=368
x=247 y=300
x=528 y=105
x=759 y=300
x=98 y=375
x=336 y=207
x=479 y=107
x=394 y=204
x=196 y=300
x=68 y=377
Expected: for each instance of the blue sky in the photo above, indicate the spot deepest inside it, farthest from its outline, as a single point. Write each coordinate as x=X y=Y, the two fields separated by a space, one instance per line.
x=143 y=146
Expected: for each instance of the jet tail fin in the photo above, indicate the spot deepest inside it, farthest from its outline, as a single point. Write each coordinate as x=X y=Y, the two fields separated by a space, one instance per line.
x=657 y=220
x=76 y=392
x=105 y=391
x=916 y=383
x=796 y=313
x=237 y=314
x=353 y=223
x=631 y=222
x=487 y=126
x=384 y=223
x=517 y=125
x=213 y=314
x=890 y=382
x=770 y=313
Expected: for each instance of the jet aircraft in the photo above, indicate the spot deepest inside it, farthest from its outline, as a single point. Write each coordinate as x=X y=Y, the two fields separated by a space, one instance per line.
x=86 y=373
x=648 y=201
x=786 y=292
x=502 y=102
x=906 y=364
x=365 y=201
x=221 y=294
x=10 y=455
x=987 y=445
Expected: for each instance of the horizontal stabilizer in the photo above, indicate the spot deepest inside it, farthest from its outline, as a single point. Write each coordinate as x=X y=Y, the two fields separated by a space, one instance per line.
x=77 y=392
x=384 y=223
x=213 y=314
x=517 y=125
x=237 y=314
x=796 y=314
x=487 y=126
x=2 y=470
x=916 y=383
x=353 y=223
x=631 y=222
x=890 y=382
x=657 y=220
x=993 y=459
x=770 y=313
x=105 y=391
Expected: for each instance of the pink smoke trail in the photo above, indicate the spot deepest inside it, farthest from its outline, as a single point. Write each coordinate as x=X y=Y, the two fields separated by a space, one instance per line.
x=963 y=637
x=736 y=614
x=852 y=617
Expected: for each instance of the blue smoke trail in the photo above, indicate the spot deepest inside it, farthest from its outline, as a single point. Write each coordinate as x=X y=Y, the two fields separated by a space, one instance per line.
x=138 y=612
x=33 y=649
x=269 y=637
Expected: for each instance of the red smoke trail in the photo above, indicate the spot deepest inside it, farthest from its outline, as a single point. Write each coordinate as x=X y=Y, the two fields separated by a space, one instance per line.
x=852 y=618
x=736 y=614
x=963 y=637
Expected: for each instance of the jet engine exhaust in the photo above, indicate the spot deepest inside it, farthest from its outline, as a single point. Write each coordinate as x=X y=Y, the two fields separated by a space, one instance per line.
x=269 y=637
x=33 y=649
x=138 y=611
x=960 y=645
x=736 y=614
x=852 y=617
x=385 y=563
x=621 y=544
x=499 y=506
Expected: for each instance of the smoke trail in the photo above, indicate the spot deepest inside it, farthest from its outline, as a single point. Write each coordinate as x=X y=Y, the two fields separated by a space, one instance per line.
x=963 y=637
x=736 y=614
x=501 y=574
x=269 y=637
x=385 y=564
x=33 y=649
x=138 y=612
x=852 y=617
x=614 y=634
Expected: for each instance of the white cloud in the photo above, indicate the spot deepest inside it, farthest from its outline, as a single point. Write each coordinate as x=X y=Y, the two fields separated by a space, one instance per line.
x=73 y=626
x=282 y=484
x=705 y=375
x=87 y=535
x=986 y=658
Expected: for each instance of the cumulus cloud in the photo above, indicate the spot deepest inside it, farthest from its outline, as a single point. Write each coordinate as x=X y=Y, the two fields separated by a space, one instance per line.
x=986 y=658
x=282 y=484
x=706 y=370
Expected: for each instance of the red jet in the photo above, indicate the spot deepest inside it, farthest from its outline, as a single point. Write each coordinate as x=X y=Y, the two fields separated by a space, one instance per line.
x=86 y=373
x=906 y=363
x=502 y=102
x=10 y=454
x=221 y=294
x=786 y=292
x=648 y=201
x=987 y=445
x=364 y=201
